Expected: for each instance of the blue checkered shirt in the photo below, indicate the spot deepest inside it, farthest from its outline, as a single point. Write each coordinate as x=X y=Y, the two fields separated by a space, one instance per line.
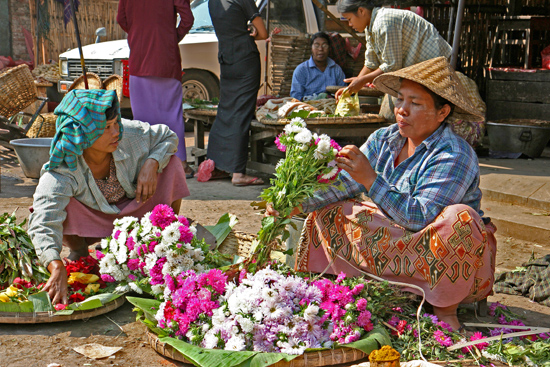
x=443 y=171
x=308 y=79
x=400 y=38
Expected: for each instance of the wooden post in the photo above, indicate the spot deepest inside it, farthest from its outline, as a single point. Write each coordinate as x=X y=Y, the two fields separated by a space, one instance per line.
x=339 y=22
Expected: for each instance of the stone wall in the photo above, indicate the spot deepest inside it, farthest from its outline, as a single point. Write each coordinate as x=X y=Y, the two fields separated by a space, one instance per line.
x=19 y=18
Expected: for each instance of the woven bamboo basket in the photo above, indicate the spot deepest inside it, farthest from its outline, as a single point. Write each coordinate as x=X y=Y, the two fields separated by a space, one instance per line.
x=311 y=359
x=43 y=127
x=365 y=91
x=367 y=118
x=114 y=82
x=47 y=317
x=17 y=90
x=94 y=82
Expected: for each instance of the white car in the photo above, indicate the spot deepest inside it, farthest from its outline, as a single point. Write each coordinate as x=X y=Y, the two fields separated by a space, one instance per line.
x=198 y=49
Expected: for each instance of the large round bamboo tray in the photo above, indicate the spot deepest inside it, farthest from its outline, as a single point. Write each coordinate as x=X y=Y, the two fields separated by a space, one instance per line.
x=47 y=317
x=365 y=91
x=17 y=90
x=43 y=127
x=114 y=82
x=366 y=118
x=311 y=359
x=94 y=82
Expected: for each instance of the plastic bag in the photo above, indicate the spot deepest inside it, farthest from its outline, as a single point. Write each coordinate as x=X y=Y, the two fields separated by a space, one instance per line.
x=545 y=58
x=348 y=105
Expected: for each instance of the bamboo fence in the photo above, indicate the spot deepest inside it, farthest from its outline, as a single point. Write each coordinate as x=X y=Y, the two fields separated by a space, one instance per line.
x=91 y=15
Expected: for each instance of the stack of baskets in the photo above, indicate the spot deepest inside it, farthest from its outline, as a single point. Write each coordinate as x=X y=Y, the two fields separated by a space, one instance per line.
x=94 y=82
x=43 y=127
x=17 y=90
x=114 y=82
x=287 y=52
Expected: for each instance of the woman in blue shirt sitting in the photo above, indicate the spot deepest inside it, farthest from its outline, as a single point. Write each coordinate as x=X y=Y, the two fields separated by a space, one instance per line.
x=314 y=75
x=423 y=224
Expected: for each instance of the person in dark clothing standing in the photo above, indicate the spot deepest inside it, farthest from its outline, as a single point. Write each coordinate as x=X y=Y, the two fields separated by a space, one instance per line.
x=155 y=63
x=237 y=24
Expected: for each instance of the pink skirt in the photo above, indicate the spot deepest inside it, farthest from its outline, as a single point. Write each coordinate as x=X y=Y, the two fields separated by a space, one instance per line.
x=171 y=186
x=452 y=259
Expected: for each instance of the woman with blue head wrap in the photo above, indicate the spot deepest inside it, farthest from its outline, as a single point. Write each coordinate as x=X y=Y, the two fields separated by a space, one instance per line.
x=101 y=168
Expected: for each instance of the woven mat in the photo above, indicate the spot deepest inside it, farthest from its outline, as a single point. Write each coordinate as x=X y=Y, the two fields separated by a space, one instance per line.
x=47 y=317
x=369 y=118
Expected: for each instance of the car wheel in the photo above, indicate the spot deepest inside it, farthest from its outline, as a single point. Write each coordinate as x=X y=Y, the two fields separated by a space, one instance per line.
x=198 y=84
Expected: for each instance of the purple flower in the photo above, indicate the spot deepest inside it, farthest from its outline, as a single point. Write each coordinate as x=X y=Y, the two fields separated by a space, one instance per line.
x=493 y=308
x=442 y=339
x=433 y=317
x=162 y=216
x=445 y=326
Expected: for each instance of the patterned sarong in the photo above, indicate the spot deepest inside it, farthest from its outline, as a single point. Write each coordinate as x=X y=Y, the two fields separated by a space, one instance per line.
x=452 y=259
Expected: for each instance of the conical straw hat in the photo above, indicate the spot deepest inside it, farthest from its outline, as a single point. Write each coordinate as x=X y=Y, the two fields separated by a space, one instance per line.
x=436 y=75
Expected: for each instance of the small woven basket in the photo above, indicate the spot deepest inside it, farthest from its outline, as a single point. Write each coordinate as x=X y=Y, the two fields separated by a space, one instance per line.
x=17 y=90
x=94 y=82
x=114 y=82
x=43 y=127
x=320 y=358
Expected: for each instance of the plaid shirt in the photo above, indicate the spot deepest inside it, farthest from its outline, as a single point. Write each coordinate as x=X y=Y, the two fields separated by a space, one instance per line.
x=400 y=38
x=308 y=79
x=57 y=186
x=443 y=171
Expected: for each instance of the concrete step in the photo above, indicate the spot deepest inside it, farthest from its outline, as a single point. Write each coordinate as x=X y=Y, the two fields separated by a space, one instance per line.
x=517 y=221
x=518 y=182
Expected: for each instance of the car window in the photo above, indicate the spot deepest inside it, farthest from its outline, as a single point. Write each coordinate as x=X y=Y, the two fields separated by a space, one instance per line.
x=202 y=23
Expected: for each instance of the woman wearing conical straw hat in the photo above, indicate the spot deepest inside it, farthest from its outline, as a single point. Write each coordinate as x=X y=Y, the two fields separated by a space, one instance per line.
x=397 y=39
x=423 y=224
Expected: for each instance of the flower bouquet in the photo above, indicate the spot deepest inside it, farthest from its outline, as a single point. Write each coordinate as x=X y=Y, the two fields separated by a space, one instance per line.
x=309 y=166
x=140 y=253
x=266 y=317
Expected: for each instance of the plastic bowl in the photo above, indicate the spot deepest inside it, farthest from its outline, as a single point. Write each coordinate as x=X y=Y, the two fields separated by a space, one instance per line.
x=32 y=154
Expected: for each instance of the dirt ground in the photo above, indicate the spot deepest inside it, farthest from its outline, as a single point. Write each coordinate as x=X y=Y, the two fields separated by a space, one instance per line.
x=53 y=343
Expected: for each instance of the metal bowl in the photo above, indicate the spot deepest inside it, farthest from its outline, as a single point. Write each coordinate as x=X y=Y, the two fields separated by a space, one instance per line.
x=519 y=136
x=32 y=154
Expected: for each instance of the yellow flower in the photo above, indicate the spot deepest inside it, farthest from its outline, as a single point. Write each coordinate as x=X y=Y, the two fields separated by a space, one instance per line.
x=91 y=288
x=4 y=297
x=11 y=291
x=82 y=278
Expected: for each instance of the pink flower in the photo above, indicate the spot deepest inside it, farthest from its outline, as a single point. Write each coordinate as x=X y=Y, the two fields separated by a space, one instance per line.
x=162 y=216
x=335 y=145
x=445 y=326
x=357 y=289
x=364 y=319
x=99 y=255
x=132 y=277
x=361 y=304
x=477 y=336
x=117 y=233
x=442 y=339
x=107 y=278
x=133 y=264
x=397 y=309
x=130 y=243
x=185 y=234
x=152 y=246
x=183 y=220
x=280 y=145
x=60 y=307
x=340 y=277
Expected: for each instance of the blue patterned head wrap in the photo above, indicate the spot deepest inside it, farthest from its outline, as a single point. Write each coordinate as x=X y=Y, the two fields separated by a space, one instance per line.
x=81 y=121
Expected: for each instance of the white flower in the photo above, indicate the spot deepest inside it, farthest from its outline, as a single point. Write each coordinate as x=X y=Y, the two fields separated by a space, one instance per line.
x=303 y=136
x=150 y=261
x=279 y=164
x=122 y=288
x=104 y=243
x=210 y=341
x=331 y=174
x=135 y=287
x=171 y=234
x=193 y=230
x=311 y=313
x=246 y=324
x=236 y=342
x=322 y=149
x=157 y=289
x=122 y=254
x=298 y=121
x=281 y=194
x=162 y=249
x=269 y=295
x=159 y=316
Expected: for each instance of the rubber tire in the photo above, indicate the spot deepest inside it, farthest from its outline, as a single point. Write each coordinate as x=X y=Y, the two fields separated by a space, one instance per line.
x=199 y=84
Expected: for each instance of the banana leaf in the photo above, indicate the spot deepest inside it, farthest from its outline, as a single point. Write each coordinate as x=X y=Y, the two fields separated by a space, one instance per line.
x=16 y=307
x=223 y=227
x=147 y=305
x=41 y=302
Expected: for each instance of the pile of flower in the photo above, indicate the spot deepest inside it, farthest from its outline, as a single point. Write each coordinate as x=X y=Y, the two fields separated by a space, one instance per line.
x=309 y=166
x=140 y=253
x=268 y=311
x=19 y=291
x=83 y=280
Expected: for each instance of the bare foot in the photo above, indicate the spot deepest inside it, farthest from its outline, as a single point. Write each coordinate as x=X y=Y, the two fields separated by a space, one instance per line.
x=189 y=173
x=448 y=315
x=241 y=179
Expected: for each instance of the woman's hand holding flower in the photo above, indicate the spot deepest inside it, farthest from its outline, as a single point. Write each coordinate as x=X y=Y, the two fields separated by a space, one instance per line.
x=271 y=212
x=147 y=180
x=354 y=162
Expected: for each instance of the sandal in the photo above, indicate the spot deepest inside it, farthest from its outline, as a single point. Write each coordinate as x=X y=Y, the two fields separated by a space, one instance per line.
x=252 y=182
